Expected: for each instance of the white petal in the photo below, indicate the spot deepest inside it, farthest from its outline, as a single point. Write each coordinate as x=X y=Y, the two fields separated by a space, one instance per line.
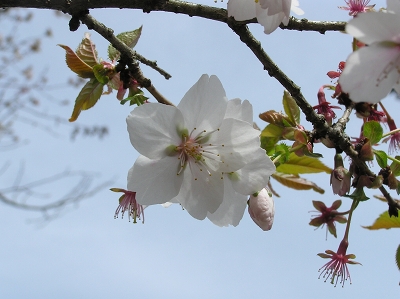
x=242 y=10
x=200 y=193
x=204 y=105
x=154 y=181
x=253 y=176
x=296 y=9
x=270 y=23
x=276 y=6
x=370 y=73
x=231 y=211
x=393 y=6
x=242 y=111
x=285 y=20
x=167 y=204
x=153 y=127
x=375 y=27
x=235 y=141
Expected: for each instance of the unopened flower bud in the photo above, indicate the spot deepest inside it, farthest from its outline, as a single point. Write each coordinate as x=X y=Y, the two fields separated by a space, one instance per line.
x=366 y=153
x=262 y=210
x=340 y=177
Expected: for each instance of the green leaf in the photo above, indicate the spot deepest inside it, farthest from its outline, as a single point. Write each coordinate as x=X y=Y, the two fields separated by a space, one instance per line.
x=100 y=72
x=313 y=155
x=272 y=130
x=384 y=221
x=268 y=143
x=296 y=182
x=297 y=165
x=291 y=108
x=129 y=38
x=76 y=64
x=381 y=158
x=87 y=98
x=398 y=257
x=373 y=131
x=87 y=51
x=281 y=150
x=137 y=99
x=395 y=167
x=358 y=195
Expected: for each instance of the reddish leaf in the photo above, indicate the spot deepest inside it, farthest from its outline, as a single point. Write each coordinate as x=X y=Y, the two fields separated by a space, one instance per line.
x=296 y=182
x=87 y=51
x=277 y=118
x=76 y=64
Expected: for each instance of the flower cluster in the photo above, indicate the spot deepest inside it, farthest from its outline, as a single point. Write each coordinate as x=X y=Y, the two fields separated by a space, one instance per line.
x=203 y=154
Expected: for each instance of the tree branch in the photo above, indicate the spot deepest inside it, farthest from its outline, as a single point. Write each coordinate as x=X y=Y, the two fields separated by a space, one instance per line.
x=74 y=7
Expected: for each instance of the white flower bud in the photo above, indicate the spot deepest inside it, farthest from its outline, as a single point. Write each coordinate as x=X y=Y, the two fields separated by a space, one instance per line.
x=262 y=210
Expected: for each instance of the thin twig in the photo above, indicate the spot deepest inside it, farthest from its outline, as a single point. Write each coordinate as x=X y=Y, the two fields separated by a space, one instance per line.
x=152 y=64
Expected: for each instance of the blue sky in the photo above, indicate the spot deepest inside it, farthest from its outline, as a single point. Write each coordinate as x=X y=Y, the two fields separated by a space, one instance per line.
x=85 y=253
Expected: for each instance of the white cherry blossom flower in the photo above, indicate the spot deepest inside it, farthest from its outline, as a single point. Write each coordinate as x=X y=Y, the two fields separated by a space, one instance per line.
x=203 y=154
x=269 y=13
x=371 y=72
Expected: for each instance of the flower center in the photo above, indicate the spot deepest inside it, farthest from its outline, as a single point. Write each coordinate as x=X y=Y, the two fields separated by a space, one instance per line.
x=195 y=150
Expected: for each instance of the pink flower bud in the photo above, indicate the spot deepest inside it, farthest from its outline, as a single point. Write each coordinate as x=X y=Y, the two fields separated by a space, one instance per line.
x=262 y=210
x=340 y=177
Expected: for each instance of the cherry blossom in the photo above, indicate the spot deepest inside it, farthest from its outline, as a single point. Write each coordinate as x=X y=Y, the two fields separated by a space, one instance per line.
x=336 y=269
x=357 y=6
x=328 y=216
x=203 y=154
x=269 y=13
x=371 y=72
x=128 y=203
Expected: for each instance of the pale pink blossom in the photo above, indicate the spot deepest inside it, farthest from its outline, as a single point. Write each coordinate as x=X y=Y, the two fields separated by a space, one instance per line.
x=262 y=209
x=372 y=72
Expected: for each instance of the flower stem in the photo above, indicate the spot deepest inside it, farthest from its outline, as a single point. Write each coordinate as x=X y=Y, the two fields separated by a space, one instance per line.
x=393 y=159
x=352 y=208
x=390 y=133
